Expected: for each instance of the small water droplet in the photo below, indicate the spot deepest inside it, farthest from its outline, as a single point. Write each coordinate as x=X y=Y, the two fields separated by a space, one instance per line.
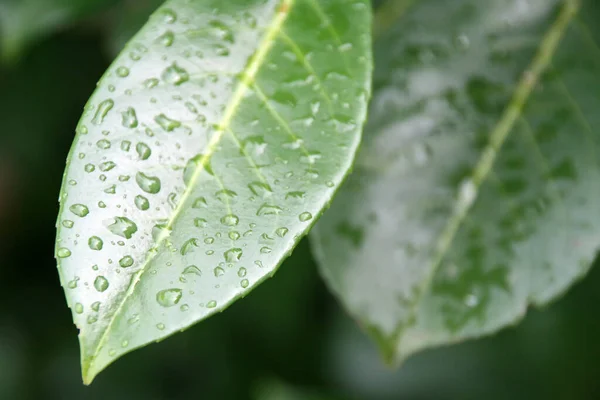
x=281 y=232
x=107 y=166
x=305 y=216
x=218 y=271
x=211 y=304
x=200 y=202
x=242 y=272
x=269 y=209
x=166 y=39
x=234 y=235
x=169 y=297
x=89 y=168
x=184 y=307
x=103 y=144
x=200 y=223
x=125 y=145
x=192 y=269
x=68 y=223
x=96 y=306
x=265 y=250
x=79 y=308
x=123 y=72
x=245 y=283
x=168 y=16
x=261 y=189
x=63 y=252
x=160 y=326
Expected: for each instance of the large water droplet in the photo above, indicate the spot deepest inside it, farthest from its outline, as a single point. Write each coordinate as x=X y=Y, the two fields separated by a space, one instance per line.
x=143 y=151
x=230 y=220
x=175 y=75
x=167 y=123
x=142 y=203
x=95 y=243
x=129 y=118
x=80 y=210
x=233 y=255
x=123 y=226
x=169 y=297
x=126 y=262
x=101 y=283
x=149 y=184
x=102 y=111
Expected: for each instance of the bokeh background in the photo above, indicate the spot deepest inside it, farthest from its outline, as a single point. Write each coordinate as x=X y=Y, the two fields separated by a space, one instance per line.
x=288 y=340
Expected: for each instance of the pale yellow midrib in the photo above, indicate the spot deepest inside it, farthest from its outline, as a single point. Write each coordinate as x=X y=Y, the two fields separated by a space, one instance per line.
x=498 y=136
x=247 y=78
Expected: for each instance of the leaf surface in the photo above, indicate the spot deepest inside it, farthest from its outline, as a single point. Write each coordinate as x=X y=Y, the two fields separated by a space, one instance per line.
x=475 y=193
x=211 y=145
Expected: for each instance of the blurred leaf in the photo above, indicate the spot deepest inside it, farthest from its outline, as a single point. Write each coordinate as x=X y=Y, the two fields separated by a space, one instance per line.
x=475 y=192
x=210 y=147
x=22 y=21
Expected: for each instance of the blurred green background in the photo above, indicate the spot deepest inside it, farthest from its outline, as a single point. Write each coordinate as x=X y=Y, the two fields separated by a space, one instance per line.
x=287 y=340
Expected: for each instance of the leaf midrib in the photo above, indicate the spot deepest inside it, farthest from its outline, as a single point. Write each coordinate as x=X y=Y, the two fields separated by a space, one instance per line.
x=248 y=77
x=498 y=136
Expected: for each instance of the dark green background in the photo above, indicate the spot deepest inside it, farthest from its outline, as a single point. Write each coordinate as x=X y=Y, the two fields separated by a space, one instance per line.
x=288 y=332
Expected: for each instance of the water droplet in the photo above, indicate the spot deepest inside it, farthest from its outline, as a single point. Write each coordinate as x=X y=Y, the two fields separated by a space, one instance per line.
x=142 y=203
x=129 y=119
x=211 y=304
x=209 y=240
x=103 y=144
x=200 y=223
x=125 y=145
x=294 y=195
x=225 y=195
x=160 y=326
x=281 y=232
x=168 y=16
x=230 y=220
x=471 y=300
x=125 y=343
x=96 y=306
x=126 y=262
x=123 y=226
x=192 y=269
x=265 y=250
x=261 y=189
x=166 y=39
x=234 y=235
x=80 y=210
x=150 y=83
x=123 y=72
x=102 y=111
x=184 y=307
x=149 y=184
x=167 y=123
x=242 y=272
x=218 y=271
x=112 y=189
x=189 y=246
x=269 y=209
x=233 y=255
x=68 y=223
x=89 y=168
x=101 y=204
x=95 y=243
x=305 y=216
x=107 y=166
x=101 y=283
x=200 y=202
x=245 y=283
x=169 y=297
x=79 y=308
x=143 y=150
x=175 y=75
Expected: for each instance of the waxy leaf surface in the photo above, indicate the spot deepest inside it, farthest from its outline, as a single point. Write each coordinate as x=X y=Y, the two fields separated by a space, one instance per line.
x=211 y=145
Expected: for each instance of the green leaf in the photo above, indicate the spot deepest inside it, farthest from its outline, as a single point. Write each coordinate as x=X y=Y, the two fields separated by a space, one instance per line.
x=22 y=21
x=211 y=145
x=475 y=193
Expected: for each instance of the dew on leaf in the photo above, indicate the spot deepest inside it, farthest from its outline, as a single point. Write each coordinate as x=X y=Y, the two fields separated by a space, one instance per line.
x=242 y=272
x=192 y=269
x=123 y=226
x=96 y=306
x=244 y=283
x=103 y=144
x=169 y=297
x=281 y=232
x=305 y=216
x=269 y=209
x=233 y=255
x=149 y=184
x=126 y=262
x=101 y=283
x=68 y=223
x=218 y=271
x=175 y=75
x=230 y=220
x=167 y=123
x=123 y=72
x=211 y=304
x=143 y=151
x=80 y=210
x=142 y=203
x=78 y=308
x=107 y=166
x=95 y=243
x=102 y=111
x=129 y=120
